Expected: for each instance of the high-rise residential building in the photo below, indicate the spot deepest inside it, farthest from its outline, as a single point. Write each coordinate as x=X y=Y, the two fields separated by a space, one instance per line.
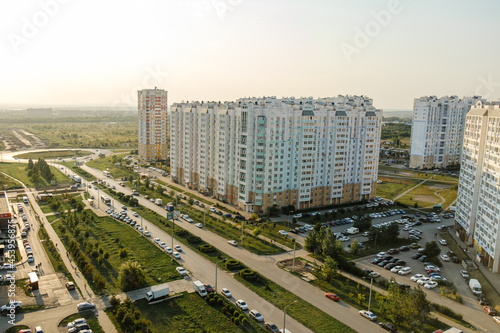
x=152 y=112
x=478 y=198
x=256 y=153
x=437 y=130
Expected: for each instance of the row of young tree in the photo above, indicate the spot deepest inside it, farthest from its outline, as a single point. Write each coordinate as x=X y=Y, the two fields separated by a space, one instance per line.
x=39 y=169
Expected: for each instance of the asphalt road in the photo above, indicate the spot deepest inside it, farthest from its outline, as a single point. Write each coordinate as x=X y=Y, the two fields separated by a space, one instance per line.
x=265 y=265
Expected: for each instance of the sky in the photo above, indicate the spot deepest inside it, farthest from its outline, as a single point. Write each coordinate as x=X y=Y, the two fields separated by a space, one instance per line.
x=70 y=52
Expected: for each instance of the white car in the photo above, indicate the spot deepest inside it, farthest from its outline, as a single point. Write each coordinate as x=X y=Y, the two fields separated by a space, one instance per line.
x=344 y=239
x=199 y=225
x=256 y=315
x=76 y=322
x=404 y=271
x=162 y=245
x=176 y=255
x=396 y=269
x=283 y=233
x=368 y=315
x=181 y=271
x=232 y=242
x=431 y=284
x=417 y=277
x=374 y=275
x=169 y=250
x=241 y=304
x=136 y=214
x=297 y=216
x=423 y=280
x=444 y=257
x=226 y=292
x=147 y=234
x=443 y=242
x=464 y=274
x=178 y=248
x=157 y=240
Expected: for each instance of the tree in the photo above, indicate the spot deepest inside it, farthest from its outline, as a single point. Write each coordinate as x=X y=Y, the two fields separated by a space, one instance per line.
x=363 y=223
x=432 y=249
x=355 y=246
x=253 y=217
x=131 y=275
x=314 y=240
x=273 y=211
x=159 y=189
x=329 y=269
x=330 y=246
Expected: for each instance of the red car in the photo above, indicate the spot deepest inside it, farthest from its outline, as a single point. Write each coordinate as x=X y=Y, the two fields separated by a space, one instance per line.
x=490 y=311
x=209 y=288
x=333 y=297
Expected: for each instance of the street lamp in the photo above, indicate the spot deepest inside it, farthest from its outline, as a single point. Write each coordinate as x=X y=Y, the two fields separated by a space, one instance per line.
x=216 y=264
x=370 y=297
x=242 y=227
x=284 y=316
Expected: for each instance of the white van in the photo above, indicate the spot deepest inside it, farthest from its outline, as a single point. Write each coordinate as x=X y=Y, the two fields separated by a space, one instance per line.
x=475 y=286
x=352 y=230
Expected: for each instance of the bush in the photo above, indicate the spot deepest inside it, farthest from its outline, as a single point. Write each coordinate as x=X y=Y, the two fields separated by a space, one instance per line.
x=181 y=232
x=205 y=248
x=249 y=275
x=232 y=264
x=447 y=311
x=193 y=239
x=122 y=253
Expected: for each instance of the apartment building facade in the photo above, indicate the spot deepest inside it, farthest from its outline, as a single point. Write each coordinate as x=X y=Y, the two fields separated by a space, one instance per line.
x=153 y=124
x=437 y=130
x=256 y=153
x=478 y=198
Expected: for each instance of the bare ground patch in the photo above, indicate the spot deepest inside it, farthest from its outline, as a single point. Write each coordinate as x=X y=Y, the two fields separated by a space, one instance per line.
x=426 y=198
x=302 y=267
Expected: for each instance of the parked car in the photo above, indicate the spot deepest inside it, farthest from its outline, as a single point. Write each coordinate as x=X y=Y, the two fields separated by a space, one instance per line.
x=431 y=284
x=226 y=292
x=464 y=274
x=70 y=285
x=490 y=311
x=232 y=242
x=178 y=248
x=368 y=315
x=388 y=327
x=241 y=304
x=256 y=315
x=181 y=270
x=271 y=327
x=176 y=255
x=443 y=242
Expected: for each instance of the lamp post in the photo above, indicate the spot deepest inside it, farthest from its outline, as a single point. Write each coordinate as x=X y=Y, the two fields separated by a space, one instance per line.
x=242 y=227
x=99 y=200
x=370 y=297
x=216 y=264
x=204 y=222
x=293 y=262
x=284 y=316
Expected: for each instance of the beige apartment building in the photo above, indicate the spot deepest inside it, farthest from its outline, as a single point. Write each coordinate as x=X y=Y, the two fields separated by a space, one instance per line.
x=153 y=124
x=256 y=153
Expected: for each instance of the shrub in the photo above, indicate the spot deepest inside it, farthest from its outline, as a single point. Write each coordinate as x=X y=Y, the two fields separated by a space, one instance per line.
x=193 y=239
x=232 y=264
x=180 y=232
x=447 y=311
x=206 y=248
x=122 y=253
x=249 y=275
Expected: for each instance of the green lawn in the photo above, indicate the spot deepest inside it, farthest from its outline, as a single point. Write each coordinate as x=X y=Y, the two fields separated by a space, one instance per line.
x=9 y=182
x=53 y=154
x=302 y=311
x=18 y=171
x=113 y=236
x=84 y=174
x=106 y=163
x=90 y=318
x=390 y=188
x=191 y=314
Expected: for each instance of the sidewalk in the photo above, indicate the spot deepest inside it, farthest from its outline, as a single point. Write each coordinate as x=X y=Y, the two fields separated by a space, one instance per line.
x=101 y=302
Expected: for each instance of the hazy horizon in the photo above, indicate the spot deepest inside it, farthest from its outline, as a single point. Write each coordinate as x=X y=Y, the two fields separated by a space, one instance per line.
x=98 y=54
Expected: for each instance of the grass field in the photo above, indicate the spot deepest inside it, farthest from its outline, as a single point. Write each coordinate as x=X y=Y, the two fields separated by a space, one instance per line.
x=75 y=132
x=106 y=163
x=8 y=182
x=428 y=195
x=390 y=188
x=302 y=311
x=191 y=314
x=18 y=171
x=53 y=154
x=113 y=236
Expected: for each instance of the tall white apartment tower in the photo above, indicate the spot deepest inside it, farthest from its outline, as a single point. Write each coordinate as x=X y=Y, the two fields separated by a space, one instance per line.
x=478 y=198
x=437 y=130
x=152 y=112
x=256 y=153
